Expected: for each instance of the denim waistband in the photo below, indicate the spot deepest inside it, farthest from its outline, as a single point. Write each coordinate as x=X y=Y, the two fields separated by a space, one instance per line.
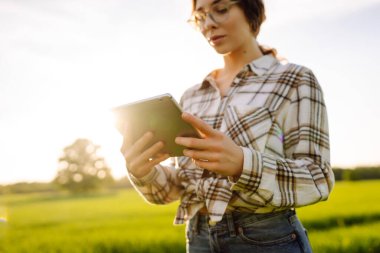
x=232 y=221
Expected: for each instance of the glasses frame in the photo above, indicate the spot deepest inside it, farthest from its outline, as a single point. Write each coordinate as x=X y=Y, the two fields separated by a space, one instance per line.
x=207 y=13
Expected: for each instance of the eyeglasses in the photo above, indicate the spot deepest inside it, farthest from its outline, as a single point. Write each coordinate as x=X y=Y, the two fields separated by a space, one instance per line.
x=218 y=13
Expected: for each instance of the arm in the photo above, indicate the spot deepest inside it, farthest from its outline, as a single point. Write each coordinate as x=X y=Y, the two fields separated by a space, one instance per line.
x=304 y=176
x=155 y=182
x=160 y=185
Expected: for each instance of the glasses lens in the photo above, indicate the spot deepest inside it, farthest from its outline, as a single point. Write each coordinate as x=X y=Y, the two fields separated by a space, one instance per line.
x=219 y=12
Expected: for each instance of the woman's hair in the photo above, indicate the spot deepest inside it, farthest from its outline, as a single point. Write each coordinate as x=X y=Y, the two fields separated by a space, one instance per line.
x=254 y=12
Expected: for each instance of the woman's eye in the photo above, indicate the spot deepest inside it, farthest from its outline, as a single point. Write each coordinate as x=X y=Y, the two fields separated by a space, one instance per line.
x=220 y=9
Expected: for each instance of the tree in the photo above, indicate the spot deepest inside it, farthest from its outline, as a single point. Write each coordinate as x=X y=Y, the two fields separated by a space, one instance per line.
x=81 y=169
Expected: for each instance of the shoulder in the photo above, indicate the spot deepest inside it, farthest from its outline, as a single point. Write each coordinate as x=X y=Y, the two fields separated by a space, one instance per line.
x=190 y=94
x=294 y=69
x=191 y=91
x=305 y=85
x=297 y=75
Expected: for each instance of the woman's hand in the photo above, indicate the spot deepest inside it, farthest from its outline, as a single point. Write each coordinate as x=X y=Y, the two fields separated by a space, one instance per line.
x=214 y=152
x=140 y=161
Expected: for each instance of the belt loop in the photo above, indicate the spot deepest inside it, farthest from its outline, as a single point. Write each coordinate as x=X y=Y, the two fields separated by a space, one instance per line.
x=231 y=225
x=291 y=212
x=291 y=215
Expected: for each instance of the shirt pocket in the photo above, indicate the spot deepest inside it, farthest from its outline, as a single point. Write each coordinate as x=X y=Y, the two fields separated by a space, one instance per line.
x=248 y=126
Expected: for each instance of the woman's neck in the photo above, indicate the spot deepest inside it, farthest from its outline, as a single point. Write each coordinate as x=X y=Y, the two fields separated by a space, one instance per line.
x=234 y=61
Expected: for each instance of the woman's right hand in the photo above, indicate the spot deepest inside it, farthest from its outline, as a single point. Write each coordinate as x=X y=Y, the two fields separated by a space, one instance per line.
x=139 y=159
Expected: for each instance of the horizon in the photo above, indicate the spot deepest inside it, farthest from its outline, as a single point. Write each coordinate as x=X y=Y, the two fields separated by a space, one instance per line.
x=126 y=176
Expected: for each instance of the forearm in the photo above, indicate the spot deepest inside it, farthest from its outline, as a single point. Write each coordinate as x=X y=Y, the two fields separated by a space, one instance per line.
x=159 y=186
x=282 y=182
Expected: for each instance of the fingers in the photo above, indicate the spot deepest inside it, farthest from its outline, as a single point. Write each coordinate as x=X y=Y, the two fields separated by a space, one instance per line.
x=193 y=143
x=204 y=128
x=139 y=159
x=202 y=155
x=148 y=156
x=155 y=161
x=199 y=124
x=211 y=166
x=136 y=148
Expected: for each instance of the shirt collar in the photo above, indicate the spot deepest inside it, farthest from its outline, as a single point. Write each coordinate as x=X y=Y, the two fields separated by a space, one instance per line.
x=263 y=64
x=259 y=67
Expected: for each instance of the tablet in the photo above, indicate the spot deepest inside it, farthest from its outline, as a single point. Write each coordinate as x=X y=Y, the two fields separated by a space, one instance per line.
x=160 y=115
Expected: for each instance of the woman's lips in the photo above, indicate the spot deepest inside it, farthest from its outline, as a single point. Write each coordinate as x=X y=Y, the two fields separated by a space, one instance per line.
x=217 y=39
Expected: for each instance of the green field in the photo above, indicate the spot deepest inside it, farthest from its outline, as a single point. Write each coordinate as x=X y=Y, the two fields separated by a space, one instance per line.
x=122 y=222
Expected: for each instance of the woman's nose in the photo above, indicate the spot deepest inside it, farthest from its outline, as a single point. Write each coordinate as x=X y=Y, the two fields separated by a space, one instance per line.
x=209 y=23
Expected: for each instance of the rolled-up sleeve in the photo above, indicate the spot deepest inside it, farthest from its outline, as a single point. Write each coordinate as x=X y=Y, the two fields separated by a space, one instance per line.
x=159 y=186
x=304 y=175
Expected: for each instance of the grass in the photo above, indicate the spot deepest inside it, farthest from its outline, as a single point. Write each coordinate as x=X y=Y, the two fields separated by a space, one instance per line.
x=122 y=222
x=100 y=223
x=348 y=201
x=357 y=238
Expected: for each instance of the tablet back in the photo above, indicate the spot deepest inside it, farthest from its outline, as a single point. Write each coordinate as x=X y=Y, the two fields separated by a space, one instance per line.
x=160 y=115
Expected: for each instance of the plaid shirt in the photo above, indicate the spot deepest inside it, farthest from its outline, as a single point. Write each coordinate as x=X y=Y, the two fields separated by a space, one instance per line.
x=276 y=113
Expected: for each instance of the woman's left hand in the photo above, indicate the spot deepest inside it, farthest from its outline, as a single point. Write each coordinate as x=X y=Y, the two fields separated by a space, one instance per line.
x=215 y=152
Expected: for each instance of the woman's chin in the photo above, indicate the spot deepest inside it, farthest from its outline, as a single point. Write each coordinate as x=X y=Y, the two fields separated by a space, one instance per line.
x=221 y=50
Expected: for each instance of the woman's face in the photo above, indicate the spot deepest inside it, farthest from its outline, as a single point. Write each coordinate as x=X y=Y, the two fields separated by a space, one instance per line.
x=225 y=27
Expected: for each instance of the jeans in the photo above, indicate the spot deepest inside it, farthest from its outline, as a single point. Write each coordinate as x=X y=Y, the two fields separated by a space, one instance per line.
x=279 y=232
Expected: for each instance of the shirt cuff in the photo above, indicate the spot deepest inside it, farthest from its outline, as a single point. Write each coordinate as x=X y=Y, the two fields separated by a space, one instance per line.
x=250 y=177
x=147 y=179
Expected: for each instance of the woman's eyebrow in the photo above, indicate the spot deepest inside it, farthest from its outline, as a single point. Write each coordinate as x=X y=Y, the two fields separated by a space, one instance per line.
x=214 y=2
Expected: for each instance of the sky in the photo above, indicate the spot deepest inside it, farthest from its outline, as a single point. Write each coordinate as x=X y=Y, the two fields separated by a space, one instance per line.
x=65 y=63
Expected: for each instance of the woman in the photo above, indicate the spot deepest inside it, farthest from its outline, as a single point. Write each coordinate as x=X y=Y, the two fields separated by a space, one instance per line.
x=265 y=145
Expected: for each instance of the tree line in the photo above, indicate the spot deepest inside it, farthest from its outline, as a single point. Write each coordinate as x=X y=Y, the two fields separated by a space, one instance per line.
x=359 y=173
x=82 y=170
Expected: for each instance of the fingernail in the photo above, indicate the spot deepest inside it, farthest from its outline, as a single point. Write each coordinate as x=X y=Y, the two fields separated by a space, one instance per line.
x=179 y=140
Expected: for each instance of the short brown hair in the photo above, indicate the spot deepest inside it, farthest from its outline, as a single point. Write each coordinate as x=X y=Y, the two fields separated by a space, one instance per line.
x=254 y=12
